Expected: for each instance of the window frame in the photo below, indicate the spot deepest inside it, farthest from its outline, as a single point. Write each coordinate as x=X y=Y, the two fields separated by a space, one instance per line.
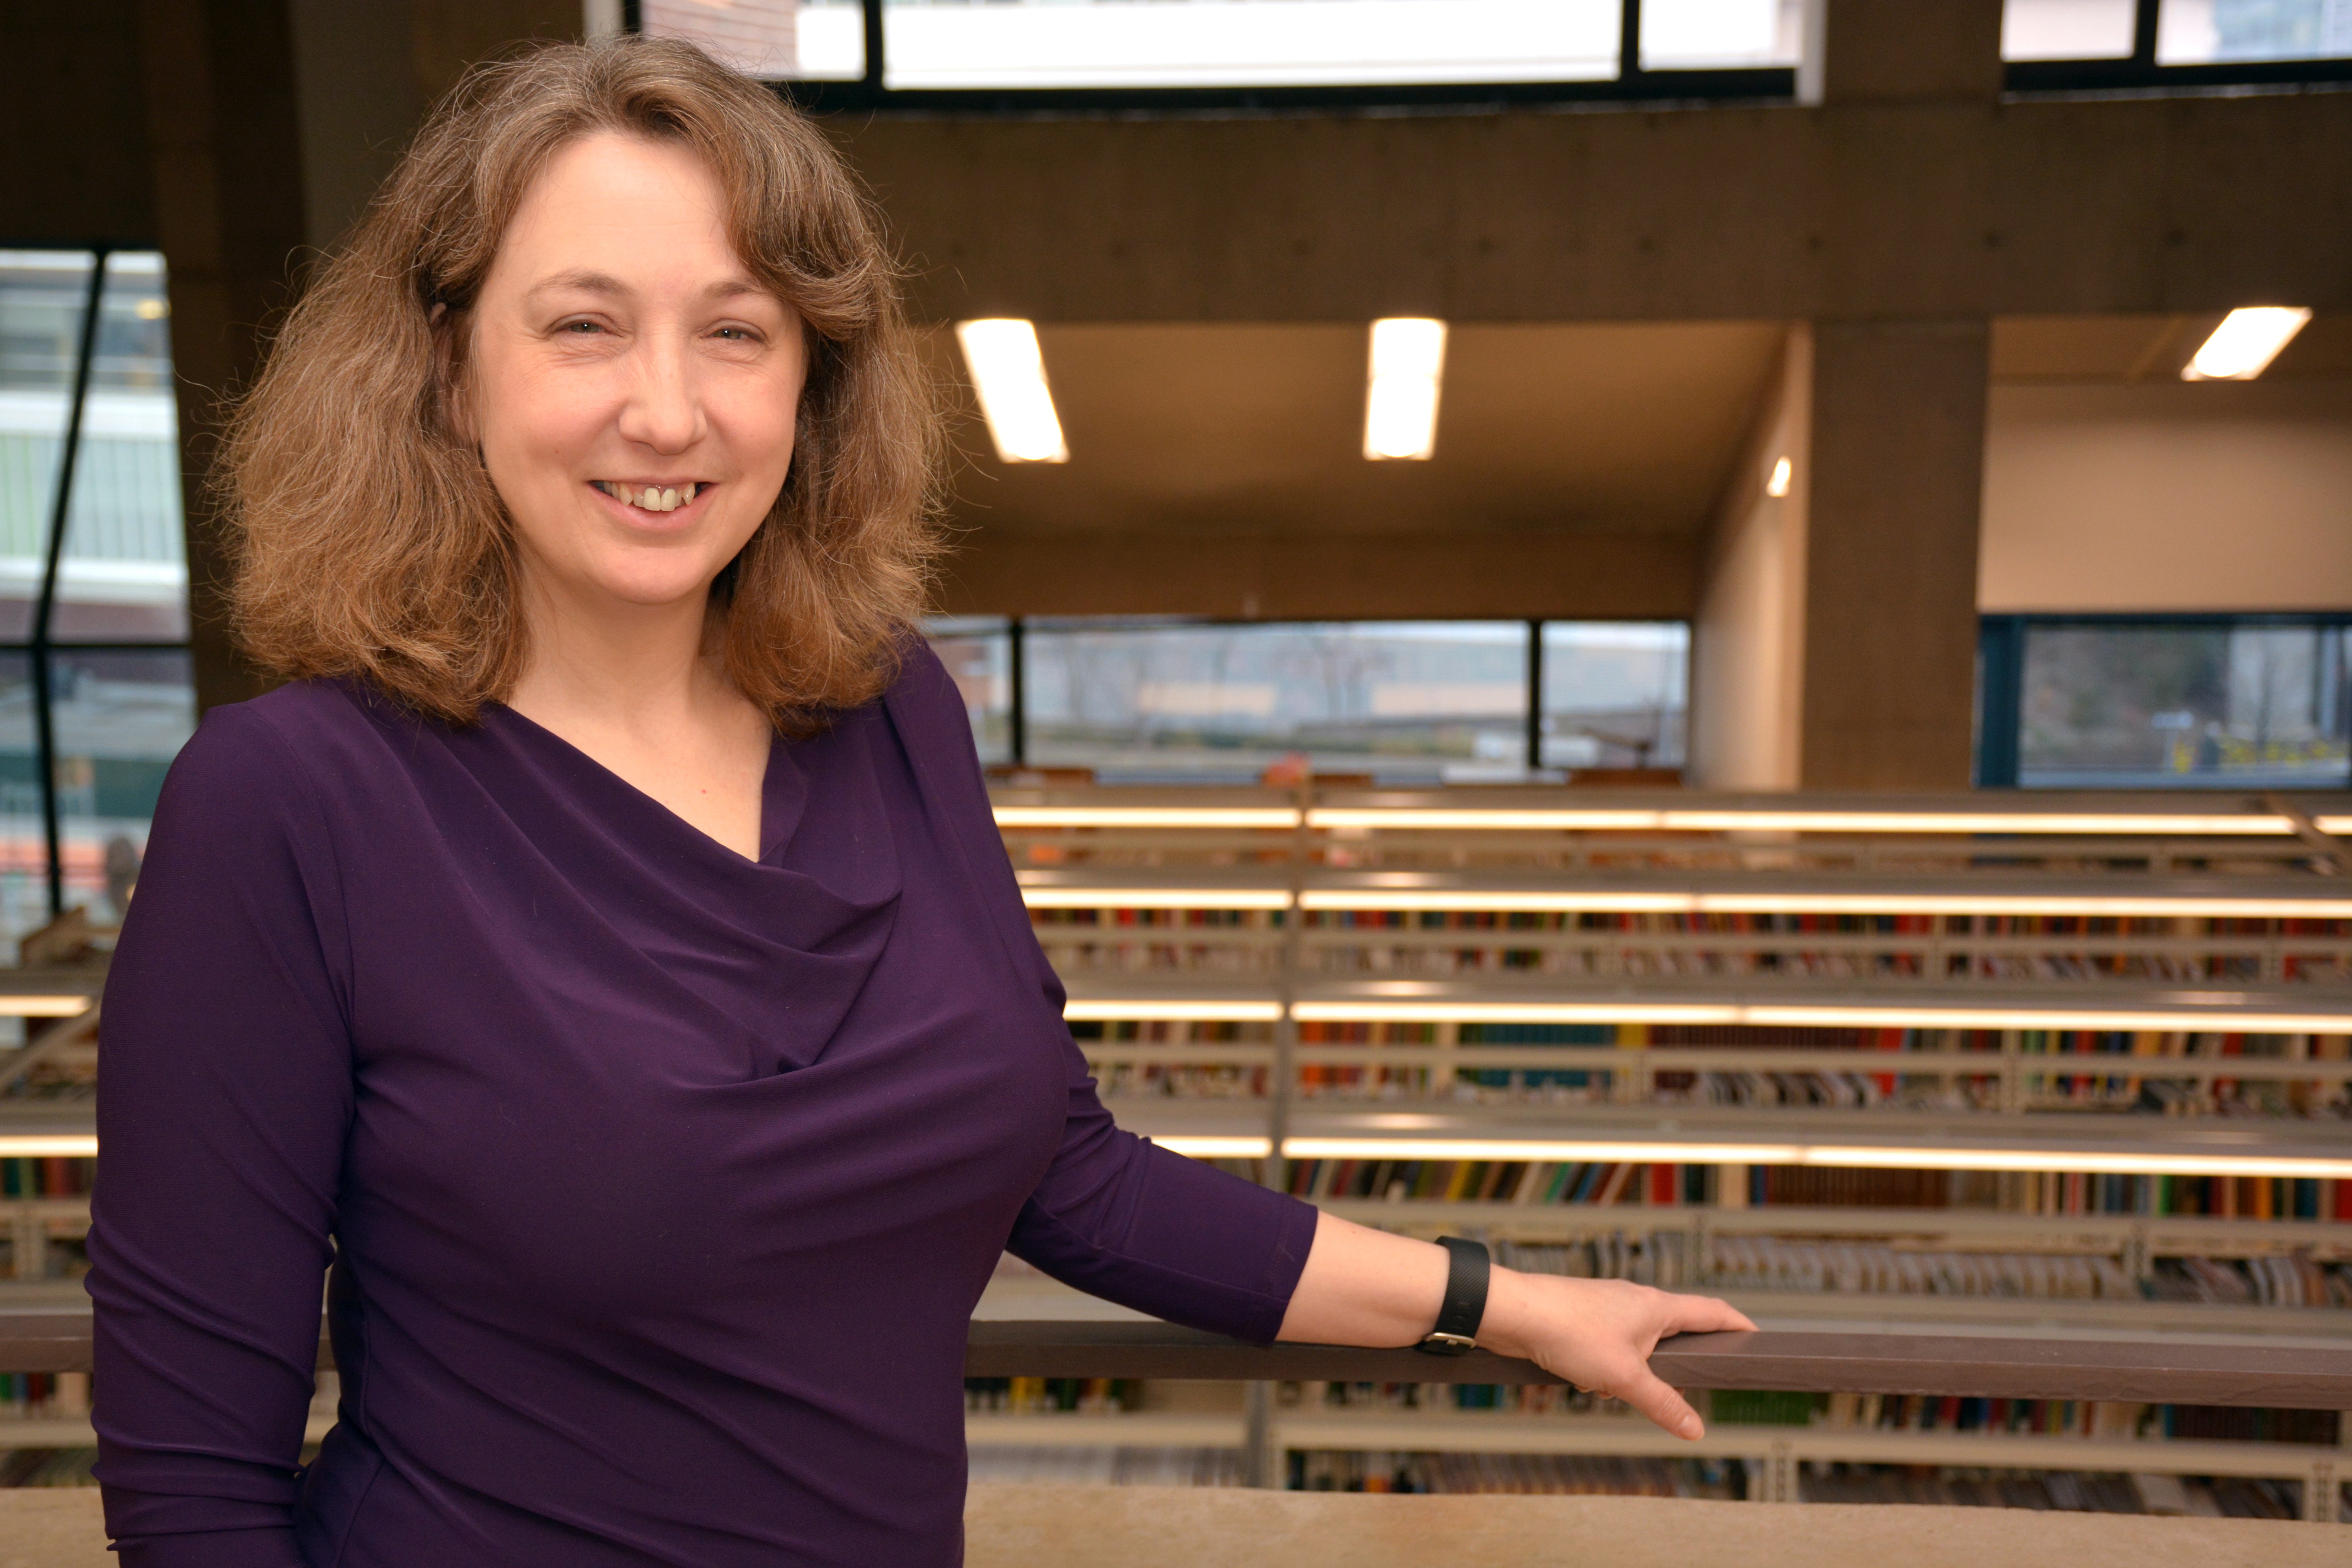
x=1632 y=84
x=2138 y=71
x=1014 y=629
x=41 y=647
x=2001 y=685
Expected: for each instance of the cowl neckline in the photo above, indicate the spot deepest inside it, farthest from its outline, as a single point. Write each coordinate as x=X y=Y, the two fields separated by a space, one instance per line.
x=781 y=945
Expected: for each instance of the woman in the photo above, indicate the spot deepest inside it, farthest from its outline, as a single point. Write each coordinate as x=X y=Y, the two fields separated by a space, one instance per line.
x=602 y=953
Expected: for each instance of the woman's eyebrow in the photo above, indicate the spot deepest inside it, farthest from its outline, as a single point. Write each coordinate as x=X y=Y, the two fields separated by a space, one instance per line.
x=585 y=281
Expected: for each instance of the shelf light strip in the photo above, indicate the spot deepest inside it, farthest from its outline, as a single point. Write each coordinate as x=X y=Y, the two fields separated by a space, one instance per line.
x=1147 y=815
x=1159 y=1011
x=1804 y=1016
x=1624 y=901
x=1633 y=901
x=1791 y=1015
x=34 y=1007
x=43 y=1146
x=1847 y=1157
x=2139 y=823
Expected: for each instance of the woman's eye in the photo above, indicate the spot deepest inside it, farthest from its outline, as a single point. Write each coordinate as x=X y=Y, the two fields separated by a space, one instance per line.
x=582 y=328
x=736 y=334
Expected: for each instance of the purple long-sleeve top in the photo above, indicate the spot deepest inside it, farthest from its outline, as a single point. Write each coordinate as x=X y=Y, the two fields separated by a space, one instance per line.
x=658 y=1184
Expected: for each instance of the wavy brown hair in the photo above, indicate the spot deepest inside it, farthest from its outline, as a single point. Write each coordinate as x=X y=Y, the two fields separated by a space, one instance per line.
x=368 y=539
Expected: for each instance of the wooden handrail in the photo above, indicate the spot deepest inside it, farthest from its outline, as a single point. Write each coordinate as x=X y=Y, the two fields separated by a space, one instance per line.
x=2136 y=1371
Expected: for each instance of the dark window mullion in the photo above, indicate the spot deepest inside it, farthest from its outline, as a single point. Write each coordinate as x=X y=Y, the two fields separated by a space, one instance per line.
x=61 y=505
x=1629 y=42
x=2144 y=22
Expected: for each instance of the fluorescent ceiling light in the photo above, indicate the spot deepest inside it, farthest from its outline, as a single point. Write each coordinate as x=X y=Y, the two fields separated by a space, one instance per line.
x=1778 y=484
x=43 y=1007
x=1568 y=819
x=2246 y=343
x=1928 y=1157
x=1008 y=371
x=39 y=1145
x=1213 y=1148
x=1168 y=1010
x=1401 y=399
x=1147 y=815
x=2333 y=824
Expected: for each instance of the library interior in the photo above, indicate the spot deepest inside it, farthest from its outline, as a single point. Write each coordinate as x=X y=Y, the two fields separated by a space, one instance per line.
x=1633 y=630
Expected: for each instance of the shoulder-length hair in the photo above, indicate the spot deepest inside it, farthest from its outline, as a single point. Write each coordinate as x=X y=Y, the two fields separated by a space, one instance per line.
x=367 y=537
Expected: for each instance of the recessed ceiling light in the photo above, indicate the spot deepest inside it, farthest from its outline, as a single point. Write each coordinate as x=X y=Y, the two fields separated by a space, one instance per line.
x=1778 y=484
x=2246 y=343
x=1401 y=400
x=1008 y=372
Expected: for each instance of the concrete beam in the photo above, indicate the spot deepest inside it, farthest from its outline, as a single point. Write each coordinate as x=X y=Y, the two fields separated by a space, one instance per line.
x=1925 y=208
x=1512 y=574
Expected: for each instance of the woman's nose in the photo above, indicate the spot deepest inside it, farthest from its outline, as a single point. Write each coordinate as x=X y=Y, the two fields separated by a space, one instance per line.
x=663 y=411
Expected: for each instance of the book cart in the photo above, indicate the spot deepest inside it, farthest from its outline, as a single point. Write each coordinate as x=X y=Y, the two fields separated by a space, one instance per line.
x=1867 y=1068
x=2071 y=1069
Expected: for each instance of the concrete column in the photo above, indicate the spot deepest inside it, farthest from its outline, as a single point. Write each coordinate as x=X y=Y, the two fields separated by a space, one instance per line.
x=1896 y=473
x=1880 y=49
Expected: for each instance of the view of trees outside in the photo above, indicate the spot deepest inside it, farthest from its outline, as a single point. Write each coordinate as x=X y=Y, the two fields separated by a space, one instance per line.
x=1615 y=694
x=2250 y=706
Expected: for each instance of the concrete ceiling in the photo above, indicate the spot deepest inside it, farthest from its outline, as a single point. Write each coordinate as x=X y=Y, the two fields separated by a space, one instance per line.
x=1218 y=429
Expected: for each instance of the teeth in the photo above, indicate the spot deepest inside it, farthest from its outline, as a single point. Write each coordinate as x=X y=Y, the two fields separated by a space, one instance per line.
x=669 y=501
x=688 y=492
x=651 y=500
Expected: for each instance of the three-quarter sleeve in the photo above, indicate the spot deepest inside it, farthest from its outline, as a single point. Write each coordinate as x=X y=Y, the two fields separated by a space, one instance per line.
x=224 y=1096
x=1114 y=1215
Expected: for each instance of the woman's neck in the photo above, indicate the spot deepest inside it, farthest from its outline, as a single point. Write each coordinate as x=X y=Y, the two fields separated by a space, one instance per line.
x=636 y=668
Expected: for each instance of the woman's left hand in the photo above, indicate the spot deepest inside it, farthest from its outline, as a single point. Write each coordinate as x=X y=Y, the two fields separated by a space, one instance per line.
x=1599 y=1333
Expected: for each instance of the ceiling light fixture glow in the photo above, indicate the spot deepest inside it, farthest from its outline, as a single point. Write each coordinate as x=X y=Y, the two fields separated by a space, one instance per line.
x=2244 y=344
x=1778 y=484
x=1571 y=900
x=1408 y=361
x=1860 y=1015
x=1008 y=373
x=1206 y=1147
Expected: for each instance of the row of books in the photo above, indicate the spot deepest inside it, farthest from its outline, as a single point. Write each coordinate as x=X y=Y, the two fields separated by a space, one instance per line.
x=46 y=1176
x=25 y=1395
x=1769 y=1263
x=1320 y=1469
x=1538 y=1183
x=1850 y=1412
x=47 y=1466
x=2239 y=1496
x=1042 y=1396
x=1111 y=1466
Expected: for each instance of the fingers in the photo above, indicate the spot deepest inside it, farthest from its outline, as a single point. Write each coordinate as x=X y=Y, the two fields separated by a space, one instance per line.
x=1645 y=1392
x=1703 y=1315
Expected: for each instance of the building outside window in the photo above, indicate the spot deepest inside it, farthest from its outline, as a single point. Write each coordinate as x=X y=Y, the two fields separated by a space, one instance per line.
x=96 y=691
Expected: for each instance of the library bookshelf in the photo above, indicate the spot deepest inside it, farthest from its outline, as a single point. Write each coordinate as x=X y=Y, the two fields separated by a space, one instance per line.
x=1868 y=1065
x=2020 y=1066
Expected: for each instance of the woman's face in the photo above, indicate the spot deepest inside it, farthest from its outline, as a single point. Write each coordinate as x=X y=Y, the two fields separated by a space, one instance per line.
x=631 y=385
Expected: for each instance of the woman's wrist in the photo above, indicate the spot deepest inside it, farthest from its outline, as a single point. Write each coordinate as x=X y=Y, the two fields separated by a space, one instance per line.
x=1508 y=1327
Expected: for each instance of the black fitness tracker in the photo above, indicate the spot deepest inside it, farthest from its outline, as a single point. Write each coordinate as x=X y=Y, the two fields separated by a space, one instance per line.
x=1466 y=1270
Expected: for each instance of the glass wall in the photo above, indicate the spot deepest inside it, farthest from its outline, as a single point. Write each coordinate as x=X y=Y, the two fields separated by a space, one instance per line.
x=93 y=623
x=1408 y=702
x=1248 y=46
x=2251 y=704
x=2213 y=32
x=1615 y=694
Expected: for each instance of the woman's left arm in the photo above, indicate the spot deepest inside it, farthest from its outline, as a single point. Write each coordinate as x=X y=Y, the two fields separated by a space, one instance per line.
x=1365 y=1287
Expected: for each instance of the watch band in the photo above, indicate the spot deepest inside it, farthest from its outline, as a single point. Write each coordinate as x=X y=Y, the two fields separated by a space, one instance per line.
x=1466 y=1271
